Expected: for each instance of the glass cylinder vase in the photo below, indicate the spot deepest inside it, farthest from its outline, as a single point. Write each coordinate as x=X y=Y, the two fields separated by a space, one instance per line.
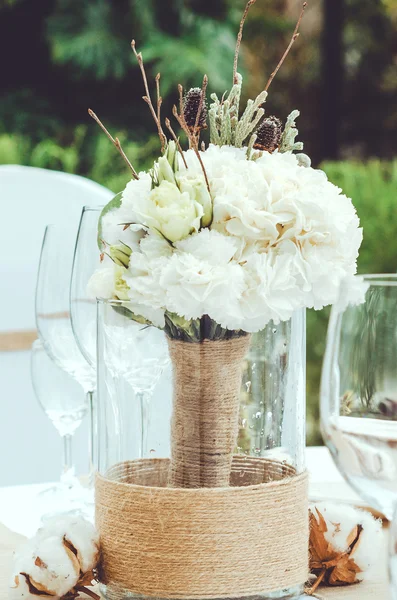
x=201 y=490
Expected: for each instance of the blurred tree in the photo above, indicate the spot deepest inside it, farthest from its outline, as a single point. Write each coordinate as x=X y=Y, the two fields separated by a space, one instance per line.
x=332 y=77
x=177 y=37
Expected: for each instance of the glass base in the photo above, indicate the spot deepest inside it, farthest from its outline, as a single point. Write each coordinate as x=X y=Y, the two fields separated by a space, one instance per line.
x=111 y=592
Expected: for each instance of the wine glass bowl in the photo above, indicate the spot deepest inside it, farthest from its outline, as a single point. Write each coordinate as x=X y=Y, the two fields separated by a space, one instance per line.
x=359 y=391
x=85 y=261
x=53 y=315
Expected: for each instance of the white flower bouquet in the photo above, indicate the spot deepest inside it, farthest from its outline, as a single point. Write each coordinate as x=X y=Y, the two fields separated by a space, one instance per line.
x=217 y=240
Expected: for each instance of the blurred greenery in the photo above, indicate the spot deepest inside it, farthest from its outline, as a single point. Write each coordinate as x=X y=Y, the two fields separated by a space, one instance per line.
x=73 y=55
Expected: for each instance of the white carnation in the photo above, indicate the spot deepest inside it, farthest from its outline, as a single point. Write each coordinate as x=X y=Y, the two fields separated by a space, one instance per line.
x=195 y=287
x=280 y=237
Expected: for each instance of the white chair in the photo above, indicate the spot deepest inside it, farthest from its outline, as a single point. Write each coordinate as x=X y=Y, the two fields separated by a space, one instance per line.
x=30 y=198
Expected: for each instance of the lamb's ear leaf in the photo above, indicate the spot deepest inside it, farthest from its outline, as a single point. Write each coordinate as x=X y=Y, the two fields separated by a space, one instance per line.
x=113 y=203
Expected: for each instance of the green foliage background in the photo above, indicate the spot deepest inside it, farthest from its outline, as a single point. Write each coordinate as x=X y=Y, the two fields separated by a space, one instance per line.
x=61 y=57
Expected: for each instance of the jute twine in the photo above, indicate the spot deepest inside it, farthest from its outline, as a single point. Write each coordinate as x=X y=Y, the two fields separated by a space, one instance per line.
x=204 y=426
x=159 y=542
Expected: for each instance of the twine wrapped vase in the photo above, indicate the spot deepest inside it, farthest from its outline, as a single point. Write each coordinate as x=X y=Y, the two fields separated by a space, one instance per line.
x=216 y=505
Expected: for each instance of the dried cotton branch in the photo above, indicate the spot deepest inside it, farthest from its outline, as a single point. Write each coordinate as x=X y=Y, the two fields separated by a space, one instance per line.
x=115 y=142
x=147 y=97
x=239 y=38
x=193 y=145
x=295 y=35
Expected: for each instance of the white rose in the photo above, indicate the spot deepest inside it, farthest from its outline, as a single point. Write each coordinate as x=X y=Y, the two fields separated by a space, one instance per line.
x=172 y=212
x=197 y=189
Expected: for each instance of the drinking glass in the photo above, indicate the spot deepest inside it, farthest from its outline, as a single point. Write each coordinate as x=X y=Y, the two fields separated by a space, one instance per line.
x=83 y=308
x=136 y=356
x=53 y=307
x=359 y=390
x=63 y=400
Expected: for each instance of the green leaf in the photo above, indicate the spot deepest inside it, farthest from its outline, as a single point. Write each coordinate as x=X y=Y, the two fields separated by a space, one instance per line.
x=113 y=203
x=126 y=312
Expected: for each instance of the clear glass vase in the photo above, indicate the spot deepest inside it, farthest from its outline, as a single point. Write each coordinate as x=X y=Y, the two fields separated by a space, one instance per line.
x=229 y=421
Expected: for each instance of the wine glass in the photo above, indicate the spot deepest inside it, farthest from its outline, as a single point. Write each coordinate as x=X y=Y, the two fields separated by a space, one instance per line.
x=63 y=400
x=359 y=389
x=82 y=307
x=136 y=355
x=53 y=306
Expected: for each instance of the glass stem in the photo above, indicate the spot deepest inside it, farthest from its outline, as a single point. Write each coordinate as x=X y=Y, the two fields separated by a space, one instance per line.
x=92 y=440
x=393 y=555
x=67 y=460
x=144 y=400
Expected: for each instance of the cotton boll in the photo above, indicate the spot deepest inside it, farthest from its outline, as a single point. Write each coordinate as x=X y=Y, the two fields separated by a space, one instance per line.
x=81 y=534
x=51 y=567
x=19 y=590
x=341 y=520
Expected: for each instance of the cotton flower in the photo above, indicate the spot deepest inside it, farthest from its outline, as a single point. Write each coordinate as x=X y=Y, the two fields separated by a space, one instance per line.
x=58 y=560
x=80 y=533
x=345 y=543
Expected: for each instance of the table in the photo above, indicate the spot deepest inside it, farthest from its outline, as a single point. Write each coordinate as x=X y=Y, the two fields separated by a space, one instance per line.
x=19 y=517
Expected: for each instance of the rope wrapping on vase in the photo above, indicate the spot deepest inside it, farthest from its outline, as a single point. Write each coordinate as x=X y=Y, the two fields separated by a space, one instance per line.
x=189 y=543
x=206 y=404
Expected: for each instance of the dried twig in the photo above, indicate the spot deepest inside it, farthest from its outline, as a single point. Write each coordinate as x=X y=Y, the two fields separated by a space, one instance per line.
x=295 y=35
x=310 y=591
x=115 y=142
x=159 y=98
x=196 y=130
x=181 y=120
x=168 y=125
x=192 y=143
x=147 y=97
x=89 y=592
x=239 y=38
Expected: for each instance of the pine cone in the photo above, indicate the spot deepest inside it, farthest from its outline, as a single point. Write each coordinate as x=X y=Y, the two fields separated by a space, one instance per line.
x=268 y=134
x=191 y=103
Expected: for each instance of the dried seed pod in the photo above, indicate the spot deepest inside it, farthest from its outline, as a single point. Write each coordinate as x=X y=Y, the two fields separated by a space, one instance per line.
x=268 y=134
x=191 y=106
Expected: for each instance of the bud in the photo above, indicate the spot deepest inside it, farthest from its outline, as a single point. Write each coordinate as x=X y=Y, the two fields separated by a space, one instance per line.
x=268 y=134
x=164 y=171
x=120 y=254
x=191 y=104
x=120 y=286
x=303 y=160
